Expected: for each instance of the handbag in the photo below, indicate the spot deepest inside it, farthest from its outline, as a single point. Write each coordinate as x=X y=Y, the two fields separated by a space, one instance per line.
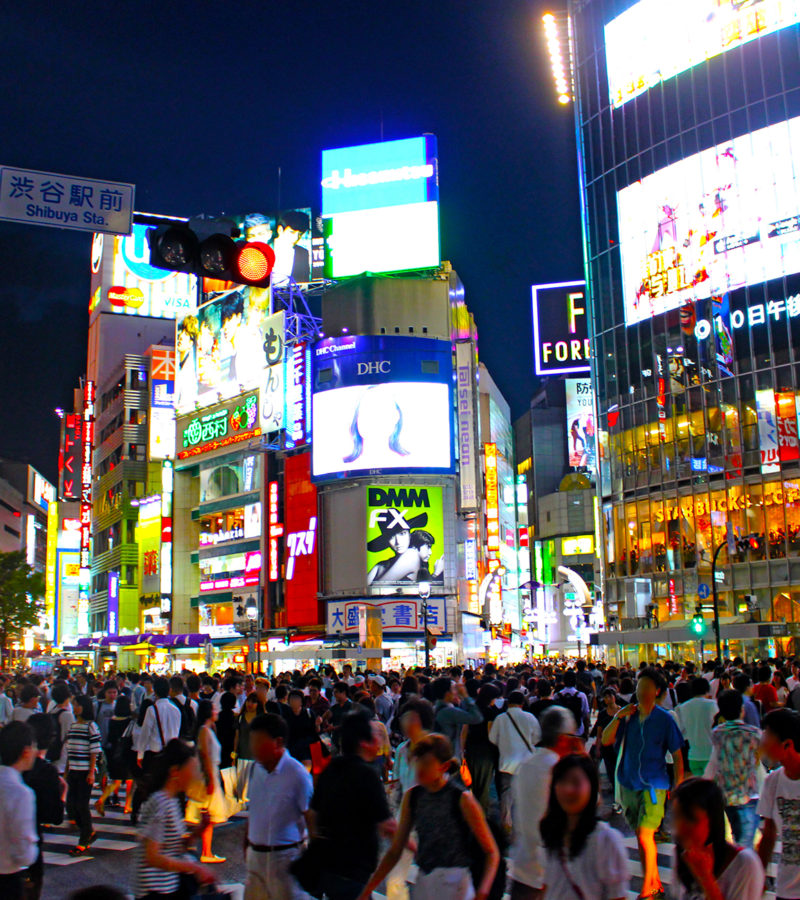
x=308 y=868
x=233 y=802
x=465 y=774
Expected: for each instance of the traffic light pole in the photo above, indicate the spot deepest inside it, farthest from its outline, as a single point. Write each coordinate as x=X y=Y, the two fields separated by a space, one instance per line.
x=715 y=595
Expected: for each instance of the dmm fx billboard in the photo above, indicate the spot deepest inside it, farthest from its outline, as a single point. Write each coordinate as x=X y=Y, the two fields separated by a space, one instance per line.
x=405 y=535
x=380 y=207
x=381 y=405
x=300 y=548
x=124 y=282
x=560 y=328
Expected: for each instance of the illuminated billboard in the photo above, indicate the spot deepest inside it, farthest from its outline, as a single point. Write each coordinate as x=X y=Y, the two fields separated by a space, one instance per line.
x=226 y=348
x=229 y=478
x=655 y=40
x=69 y=458
x=230 y=423
x=580 y=423
x=715 y=221
x=124 y=282
x=560 y=328
x=380 y=207
x=405 y=534
x=300 y=549
x=381 y=405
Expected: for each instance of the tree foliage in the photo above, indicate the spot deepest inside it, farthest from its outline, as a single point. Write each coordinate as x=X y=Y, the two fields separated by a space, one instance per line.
x=21 y=597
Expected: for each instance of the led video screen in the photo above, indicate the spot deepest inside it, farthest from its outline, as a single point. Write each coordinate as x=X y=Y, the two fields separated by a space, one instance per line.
x=713 y=222
x=381 y=405
x=655 y=40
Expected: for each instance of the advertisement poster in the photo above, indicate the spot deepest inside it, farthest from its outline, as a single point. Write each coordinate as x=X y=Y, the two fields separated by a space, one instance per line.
x=290 y=234
x=300 y=550
x=218 y=480
x=655 y=40
x=380 y=207
x=713 y=222
x=405 y=535
x=124 y=282
x=225 y=348
x=580 y=423
x=381 y=404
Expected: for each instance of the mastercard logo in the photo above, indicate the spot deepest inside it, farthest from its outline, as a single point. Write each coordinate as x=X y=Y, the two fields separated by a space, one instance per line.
x=125 y=296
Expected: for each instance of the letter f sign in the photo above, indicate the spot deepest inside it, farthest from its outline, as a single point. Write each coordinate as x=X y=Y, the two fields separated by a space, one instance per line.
x=573 y=310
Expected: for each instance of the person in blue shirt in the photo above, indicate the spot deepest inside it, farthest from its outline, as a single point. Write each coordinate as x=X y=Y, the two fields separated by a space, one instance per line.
x=644 y=732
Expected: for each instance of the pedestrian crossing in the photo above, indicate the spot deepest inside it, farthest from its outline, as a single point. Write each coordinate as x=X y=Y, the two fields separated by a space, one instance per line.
x=114 y=833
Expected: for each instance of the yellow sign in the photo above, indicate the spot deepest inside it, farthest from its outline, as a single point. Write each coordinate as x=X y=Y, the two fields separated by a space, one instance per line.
x=574 y=546
x=689 y=508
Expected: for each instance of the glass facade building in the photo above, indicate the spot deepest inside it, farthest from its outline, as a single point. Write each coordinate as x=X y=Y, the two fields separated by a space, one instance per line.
x=688 y=124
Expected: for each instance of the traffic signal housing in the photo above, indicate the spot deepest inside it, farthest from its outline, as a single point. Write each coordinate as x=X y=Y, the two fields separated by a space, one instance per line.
x=210 y=248
x=698 y=624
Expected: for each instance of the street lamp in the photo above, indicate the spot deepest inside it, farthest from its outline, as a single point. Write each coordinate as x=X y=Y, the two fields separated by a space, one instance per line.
x=424 y=589
x=251 y=611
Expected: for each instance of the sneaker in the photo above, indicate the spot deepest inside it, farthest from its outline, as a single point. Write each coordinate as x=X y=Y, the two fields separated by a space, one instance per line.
x=212 y=859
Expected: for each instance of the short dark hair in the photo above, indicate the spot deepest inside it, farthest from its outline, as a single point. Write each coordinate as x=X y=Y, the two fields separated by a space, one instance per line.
x=295 y=692
x=423 y=708
x=570 y=678
x=87 y=707
x=273 y=725
x=783 y=723
x=193 y=683
x=730 y=705
x=356 y=729
x=419 y=538
x=43 y=727
x=294 y=219
x=517 y=698
x=28 y=693
x=741 y=682
x=764 y=673
x=281 y=691
x=15 y=738
x=700 y=687
x=441 y=687
x=339 y=688
x=656 y=677
x=161 y=688
x=176 y=684
x=60 y=693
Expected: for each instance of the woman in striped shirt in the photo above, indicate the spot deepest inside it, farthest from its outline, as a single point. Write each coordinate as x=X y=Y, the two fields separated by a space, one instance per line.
x=162 y=857
x=83 y=748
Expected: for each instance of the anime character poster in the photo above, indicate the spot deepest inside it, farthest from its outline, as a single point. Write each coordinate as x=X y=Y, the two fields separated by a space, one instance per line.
x=580 y=423
x=405 y=535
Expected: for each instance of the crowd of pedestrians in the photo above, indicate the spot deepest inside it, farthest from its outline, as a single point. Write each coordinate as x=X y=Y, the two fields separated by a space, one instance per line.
x=441 y=784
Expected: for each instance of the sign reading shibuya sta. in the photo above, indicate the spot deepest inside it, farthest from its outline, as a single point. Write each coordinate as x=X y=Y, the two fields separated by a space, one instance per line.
x=63 y=201
x=380 y=205
x=234 y=421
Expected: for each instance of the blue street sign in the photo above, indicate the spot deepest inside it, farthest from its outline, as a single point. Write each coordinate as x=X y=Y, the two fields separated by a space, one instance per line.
x=703 y=591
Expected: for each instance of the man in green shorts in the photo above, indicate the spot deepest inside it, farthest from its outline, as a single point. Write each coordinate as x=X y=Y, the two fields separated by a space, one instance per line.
x=644 y=732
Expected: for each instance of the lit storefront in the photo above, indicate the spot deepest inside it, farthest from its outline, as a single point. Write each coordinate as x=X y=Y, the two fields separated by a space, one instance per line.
x=693 y=250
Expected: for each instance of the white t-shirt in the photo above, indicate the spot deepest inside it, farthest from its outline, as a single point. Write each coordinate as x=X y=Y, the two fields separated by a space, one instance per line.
x=601 y=870
x=743 y=879
x=531 y=791
x=780 y=801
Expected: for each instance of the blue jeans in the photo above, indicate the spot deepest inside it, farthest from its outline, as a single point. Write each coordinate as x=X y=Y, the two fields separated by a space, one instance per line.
x=743 y=821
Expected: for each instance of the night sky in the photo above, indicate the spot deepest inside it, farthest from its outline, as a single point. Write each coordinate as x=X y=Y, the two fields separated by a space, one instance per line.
x=199 y=102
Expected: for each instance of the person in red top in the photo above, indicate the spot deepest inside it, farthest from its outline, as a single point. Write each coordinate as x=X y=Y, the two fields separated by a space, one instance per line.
x=764 y=692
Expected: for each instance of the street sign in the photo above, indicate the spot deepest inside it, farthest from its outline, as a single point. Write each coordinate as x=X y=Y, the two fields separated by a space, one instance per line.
x=703 y=591
x=62 y=201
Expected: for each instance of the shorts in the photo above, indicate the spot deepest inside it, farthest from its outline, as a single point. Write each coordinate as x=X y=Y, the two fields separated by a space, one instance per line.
x=640 y=811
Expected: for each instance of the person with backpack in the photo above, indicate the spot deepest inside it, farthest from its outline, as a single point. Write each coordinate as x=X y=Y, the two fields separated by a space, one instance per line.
x=448 y=822
x=188 y=726
x=576 y=702
x=115 y=749
x=515 y=733
x=63 y=719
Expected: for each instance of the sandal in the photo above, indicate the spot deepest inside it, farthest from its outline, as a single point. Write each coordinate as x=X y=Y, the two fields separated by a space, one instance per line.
x=100 y=808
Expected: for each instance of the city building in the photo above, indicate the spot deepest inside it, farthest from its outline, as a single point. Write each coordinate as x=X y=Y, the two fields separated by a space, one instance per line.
x=688 y=121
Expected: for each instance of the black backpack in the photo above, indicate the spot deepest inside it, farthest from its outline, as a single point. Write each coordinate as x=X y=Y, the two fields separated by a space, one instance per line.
x=53 y=753
x=188 y=729
x=573 y=703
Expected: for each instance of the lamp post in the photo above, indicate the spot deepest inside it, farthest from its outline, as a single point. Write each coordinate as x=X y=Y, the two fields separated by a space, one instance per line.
x=424 y=589
x=253 y=617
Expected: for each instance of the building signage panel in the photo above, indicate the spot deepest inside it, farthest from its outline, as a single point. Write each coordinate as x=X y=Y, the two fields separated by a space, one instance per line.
x=655 y=40
x=69 y=460
x=561 y=343
x=235 y=421
x=467 y=440
x=87 y=440
x=63 y=201
x=711 y=223
x=401 y=616
x=300 y=546
x=492 y=499
x=580 y=423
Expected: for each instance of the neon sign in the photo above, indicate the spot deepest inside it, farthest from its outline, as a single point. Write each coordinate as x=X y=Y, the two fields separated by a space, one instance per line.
x=86 y=475
x=492 y=501
x=230 y=424
x=275 y=530
x=300 y=543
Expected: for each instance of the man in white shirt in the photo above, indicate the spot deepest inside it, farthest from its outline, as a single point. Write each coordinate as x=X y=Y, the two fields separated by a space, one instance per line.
x=779 y=804
x=696 y=720
x=162 y=723
x=63 y=717
x=531 y=793
x=515 y=733
x=19 y=846
x=6 y=704
x=280 y=791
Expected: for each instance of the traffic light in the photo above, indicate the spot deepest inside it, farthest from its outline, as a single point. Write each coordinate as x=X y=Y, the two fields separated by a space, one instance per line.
x=698 y=625
x=210 y=249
